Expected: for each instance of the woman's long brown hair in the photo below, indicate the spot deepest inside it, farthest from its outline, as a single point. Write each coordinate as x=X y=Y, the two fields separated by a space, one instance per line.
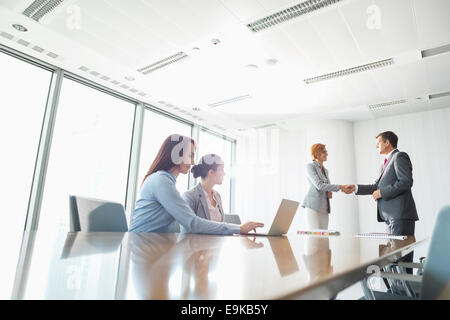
x=163 y=160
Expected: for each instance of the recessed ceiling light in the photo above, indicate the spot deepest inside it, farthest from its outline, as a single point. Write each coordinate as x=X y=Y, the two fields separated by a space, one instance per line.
x=162 y=63
x=251 y=66
x=272 y=61
x=19 y=27
x=301 y=9
x=386 y=104
x=235 y=99
x=129 y=78
x=346 y=72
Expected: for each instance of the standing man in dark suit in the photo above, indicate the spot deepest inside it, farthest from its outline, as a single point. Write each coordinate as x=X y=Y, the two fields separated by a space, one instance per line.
x=392 y=188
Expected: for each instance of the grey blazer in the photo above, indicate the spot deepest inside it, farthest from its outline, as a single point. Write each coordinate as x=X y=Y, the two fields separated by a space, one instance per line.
x=319 y=185
x=198 y=203
x=395 y=182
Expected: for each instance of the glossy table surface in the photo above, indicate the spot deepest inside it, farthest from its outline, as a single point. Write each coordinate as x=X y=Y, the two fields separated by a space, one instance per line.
x=96 y=265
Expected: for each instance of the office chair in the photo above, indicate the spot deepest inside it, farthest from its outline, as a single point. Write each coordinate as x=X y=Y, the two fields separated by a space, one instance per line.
x=96 y=215
x=231 y=218
x=435 y=281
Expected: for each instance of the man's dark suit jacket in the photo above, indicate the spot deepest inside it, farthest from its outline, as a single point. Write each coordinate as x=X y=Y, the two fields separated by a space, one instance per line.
x=395 y=182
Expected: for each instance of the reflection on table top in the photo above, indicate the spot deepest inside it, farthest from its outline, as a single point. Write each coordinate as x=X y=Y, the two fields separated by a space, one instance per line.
x=185 y=266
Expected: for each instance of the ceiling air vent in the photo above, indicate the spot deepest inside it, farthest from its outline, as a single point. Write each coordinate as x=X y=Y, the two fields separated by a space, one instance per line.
x=38 y=49
x=435 y=51
x=23 y=42
x=39 y=8
x=346 y=72
x=289 y=13
x=379 y=106
x=162 y=63
x=52 y=55
x=232 y=100
x=6 y=35
x=438 y=95
x=30 y=45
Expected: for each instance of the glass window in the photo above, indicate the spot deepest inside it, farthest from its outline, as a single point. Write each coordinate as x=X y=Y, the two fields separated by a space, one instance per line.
x=24 y=91
x=157 y=128
x=211 y=143
x=89 y=154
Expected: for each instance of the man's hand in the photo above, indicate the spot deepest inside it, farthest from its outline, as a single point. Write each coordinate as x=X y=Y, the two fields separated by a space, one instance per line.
x=248 y=226
x=376 y=195
x=330 y=195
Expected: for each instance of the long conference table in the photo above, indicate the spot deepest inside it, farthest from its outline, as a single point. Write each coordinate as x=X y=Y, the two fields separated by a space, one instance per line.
x=106 y=265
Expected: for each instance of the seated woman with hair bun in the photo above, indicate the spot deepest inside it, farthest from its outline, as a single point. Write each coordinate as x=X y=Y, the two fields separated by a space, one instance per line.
x=203 y=199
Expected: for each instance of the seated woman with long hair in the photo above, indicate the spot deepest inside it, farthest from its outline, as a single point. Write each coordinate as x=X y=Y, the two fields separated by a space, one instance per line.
x=159 y=206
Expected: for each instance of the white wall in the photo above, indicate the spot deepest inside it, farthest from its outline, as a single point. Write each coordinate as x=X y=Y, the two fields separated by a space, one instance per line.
x=425 y=136
x=262 y=181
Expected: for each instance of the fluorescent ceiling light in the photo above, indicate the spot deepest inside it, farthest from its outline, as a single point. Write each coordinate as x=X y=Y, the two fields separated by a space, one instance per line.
x=379 y=106
x=39 y=8
x=289 y=13
x=232 y=100
x=270 y=125
x=345 y=72
x=162 y=63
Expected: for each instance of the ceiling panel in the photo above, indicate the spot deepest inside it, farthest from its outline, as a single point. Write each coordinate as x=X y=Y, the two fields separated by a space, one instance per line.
x=398 y=24
x=433 y=22
x=390 y=83
x=128 y=35
x=141 y=16
x=308 y=42
x=414 y=78
x=362 y=88
x=274 y=5
x=371 y=41
x=96 y=36
x=245 y=11
x=279 y=45
x=336 y=36
x=199 y=17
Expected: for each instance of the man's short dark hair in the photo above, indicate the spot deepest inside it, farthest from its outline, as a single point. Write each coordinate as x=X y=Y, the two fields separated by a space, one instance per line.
x=389 y=135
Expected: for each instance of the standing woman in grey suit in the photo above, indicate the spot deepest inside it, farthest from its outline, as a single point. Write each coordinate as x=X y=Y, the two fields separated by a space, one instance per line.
x=203 y=199
x=317 y=199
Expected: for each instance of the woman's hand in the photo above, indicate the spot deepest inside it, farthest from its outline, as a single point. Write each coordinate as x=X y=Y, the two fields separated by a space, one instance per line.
x=248 y=226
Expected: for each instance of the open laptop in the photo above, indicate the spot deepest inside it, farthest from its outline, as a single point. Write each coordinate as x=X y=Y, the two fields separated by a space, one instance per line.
x=282 y=220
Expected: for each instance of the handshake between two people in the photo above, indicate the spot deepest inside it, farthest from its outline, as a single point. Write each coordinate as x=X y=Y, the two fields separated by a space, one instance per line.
x=348 y=188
